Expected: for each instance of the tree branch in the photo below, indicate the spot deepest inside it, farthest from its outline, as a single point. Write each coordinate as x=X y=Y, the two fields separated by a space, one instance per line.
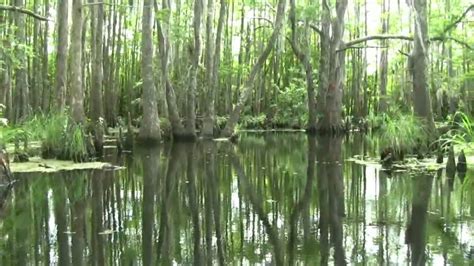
x=23 y=11
x=264 y=19
x=442 y=39
x=354 y=42
x=377 y=37
x=458 y=20
x=316 y=29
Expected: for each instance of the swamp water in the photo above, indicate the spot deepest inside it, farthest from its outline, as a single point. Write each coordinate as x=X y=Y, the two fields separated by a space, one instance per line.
x=272 y=199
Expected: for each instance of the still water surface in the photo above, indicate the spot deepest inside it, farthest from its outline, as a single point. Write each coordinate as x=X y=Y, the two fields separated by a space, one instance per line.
x=272 y=199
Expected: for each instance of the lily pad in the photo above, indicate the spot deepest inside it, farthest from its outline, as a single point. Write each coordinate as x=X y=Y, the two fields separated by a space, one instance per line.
x=39 y=165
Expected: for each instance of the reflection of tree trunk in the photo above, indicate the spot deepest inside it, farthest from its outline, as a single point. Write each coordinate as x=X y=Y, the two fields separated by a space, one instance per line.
x=382 y=214
x=21 y=214
x=193 y=205
x=416 y=230
x=331 y=190
x=256 y=202
x=77 y=224
x=59 y=201
x=165 y=245
x=213 y=206
x=97 y=249
x=302 y=204
x=150 y=159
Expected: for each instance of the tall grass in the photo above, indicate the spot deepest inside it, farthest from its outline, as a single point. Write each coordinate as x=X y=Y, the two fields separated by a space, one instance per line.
x=402 y=133
x=60 y=137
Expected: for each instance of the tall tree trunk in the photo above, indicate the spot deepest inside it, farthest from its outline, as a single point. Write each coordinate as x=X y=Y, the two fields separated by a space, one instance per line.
x=164 y=48
x=418 y=66
x=212 y=61
x=21 y=102
x=95 y=99
x=305 y=59
x=46 y=96
x=75 y=53
x=208 y=125
x=384 y=59
x=331 y=70
x=97 y=18
x=190 y=125
x=61 y=54
x=150 y=126
x=249 y=83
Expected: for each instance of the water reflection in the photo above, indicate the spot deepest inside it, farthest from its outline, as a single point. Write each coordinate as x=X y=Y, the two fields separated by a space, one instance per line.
x=272 y=199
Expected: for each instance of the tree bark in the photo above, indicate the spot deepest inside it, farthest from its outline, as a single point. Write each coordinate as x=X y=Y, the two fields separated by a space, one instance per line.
x=331 y=70
x=61 y=54
x=46 y=96
x=418 y=66
x=21 y=104
x=190 y=125
x=75 y=53
x=249 y=83
x=150 y=127
x=208 y=125
x=164 y=48
x=384 y=59
x=97 y=18
x=305 y=59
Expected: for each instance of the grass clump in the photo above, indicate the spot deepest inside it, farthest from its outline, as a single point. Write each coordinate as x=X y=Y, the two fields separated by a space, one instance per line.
x=63 y=139
x=402 y=133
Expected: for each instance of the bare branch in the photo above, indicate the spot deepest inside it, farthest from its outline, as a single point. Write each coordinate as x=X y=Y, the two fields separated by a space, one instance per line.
x=442 y=39
x=316 y=29
x=263 y=18
x=403 y=53
x=377 y=37
x=458 y=20
x=23 y=11
x=112 y=5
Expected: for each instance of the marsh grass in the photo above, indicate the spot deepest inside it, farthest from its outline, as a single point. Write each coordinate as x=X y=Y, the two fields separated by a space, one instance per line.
x=403 y=133
x=60 y=137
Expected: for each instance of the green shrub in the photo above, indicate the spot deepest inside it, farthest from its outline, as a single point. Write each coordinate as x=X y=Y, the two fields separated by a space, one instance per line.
x=253 y=122
x=221 y=121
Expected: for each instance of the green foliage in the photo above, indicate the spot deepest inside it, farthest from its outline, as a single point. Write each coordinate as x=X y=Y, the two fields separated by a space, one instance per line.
x=76 y=147
x=402 y=132
x=291 y=106
x=253 y=122
x=221 y=121
x=59 y=136
x=462 y=134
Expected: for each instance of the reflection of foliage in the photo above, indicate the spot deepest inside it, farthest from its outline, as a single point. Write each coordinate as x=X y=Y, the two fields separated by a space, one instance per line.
x=275 y=167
